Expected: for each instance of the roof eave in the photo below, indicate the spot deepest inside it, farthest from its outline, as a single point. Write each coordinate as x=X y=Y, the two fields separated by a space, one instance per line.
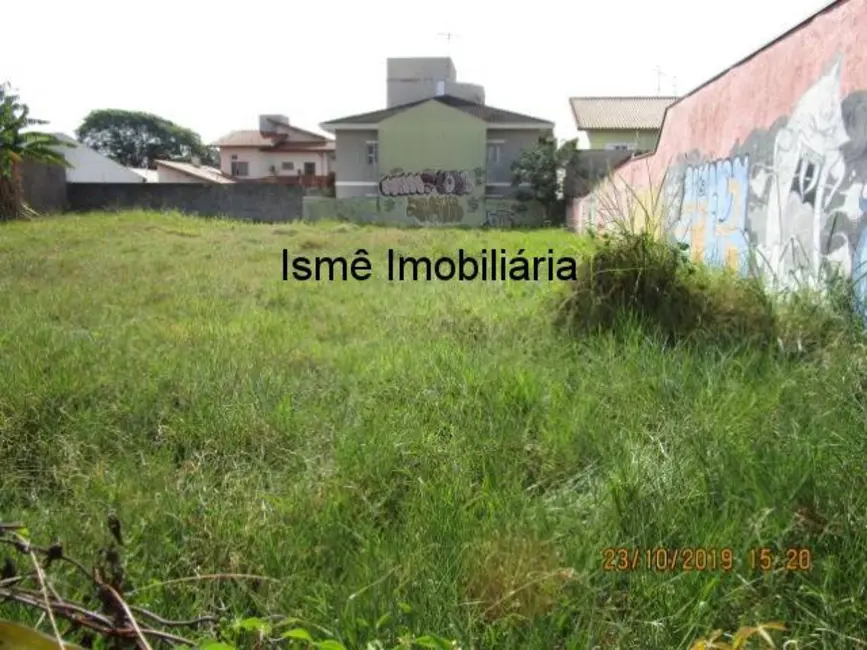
x=333 y=127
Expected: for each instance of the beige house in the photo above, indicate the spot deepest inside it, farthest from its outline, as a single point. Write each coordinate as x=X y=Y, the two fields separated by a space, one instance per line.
x=277 y=152
x=620 y=123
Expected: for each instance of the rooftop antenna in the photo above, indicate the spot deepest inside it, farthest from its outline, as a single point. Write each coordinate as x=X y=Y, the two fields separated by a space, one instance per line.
x=674 y=86
x=448 y=36
x=659 y=74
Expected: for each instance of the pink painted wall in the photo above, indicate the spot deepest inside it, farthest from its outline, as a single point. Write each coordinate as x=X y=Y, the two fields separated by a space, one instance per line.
x=788 y=113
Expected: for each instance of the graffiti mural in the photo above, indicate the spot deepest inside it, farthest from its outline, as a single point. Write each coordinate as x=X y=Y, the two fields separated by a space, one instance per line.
x=713 y=210
x=449 y=183
x=791 y=198
x=435 y=209
x=499 y=218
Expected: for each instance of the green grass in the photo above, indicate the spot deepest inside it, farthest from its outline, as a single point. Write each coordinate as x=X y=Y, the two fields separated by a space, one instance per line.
x=444 y=446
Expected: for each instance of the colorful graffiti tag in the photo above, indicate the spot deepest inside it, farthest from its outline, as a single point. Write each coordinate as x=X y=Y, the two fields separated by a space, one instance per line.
x=448 y=183
x=713 y=210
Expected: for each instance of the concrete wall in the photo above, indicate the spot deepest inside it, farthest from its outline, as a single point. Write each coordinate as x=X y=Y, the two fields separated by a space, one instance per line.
x=44 y=187
x=432 y=158
x=495 y=213
x=766 y=164
x=251 y=202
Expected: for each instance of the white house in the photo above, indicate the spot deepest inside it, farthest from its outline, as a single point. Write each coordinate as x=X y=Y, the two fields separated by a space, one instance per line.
x=277 y=152
x=88 y=166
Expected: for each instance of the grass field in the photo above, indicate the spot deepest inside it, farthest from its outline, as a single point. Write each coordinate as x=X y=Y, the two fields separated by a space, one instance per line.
x=433 y=457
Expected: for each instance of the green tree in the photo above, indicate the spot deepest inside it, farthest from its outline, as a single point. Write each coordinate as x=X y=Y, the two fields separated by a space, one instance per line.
x=19 y=144
x=543 y=169
x=137 y=139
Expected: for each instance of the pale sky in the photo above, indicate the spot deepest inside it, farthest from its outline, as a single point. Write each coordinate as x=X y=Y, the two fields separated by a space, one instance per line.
x=214 y=67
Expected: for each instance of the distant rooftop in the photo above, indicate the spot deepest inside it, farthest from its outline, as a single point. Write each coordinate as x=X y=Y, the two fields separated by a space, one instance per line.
x=619 y=112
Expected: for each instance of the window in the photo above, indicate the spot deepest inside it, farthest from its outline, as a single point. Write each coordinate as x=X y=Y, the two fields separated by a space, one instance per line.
x=287 y=166
x=495 y=153
x=240 y=168
x=310 y=169
x=372 y=153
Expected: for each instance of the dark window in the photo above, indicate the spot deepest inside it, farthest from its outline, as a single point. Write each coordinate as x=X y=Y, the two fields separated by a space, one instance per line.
x=310 y=169
x=240 y=168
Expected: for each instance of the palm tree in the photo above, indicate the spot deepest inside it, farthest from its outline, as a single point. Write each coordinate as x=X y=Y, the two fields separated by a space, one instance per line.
x=18 y=144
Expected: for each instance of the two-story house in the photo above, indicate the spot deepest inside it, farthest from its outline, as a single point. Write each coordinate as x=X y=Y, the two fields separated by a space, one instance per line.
x=436 y=147
x=277 y=152
x=612 y=130
x=620 y=123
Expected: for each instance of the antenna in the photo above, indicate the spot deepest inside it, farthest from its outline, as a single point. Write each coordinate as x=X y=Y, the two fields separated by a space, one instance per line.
x=448 y=36
x=659 y=75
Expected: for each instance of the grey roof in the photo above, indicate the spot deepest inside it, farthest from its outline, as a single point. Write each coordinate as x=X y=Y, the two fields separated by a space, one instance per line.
x=619 y=112
x=483 y=112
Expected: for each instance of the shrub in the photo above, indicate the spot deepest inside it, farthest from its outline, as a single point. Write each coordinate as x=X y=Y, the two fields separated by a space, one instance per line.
x=638 y=277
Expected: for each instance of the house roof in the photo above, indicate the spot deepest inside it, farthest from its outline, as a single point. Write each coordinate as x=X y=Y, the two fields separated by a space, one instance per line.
x=482 y=111
x=619 y=112
x=208 y=174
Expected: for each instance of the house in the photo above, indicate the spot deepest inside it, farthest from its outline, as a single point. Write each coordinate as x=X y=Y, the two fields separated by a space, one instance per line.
x=89 y=166
x=620 y=123
x=436 y=139
x=277 y=152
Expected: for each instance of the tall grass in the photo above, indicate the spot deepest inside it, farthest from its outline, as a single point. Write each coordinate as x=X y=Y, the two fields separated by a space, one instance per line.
x=421 y=457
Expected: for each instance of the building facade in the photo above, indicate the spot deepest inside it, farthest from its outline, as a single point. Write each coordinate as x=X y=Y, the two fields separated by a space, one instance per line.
x=440 y=155
x=277 y=152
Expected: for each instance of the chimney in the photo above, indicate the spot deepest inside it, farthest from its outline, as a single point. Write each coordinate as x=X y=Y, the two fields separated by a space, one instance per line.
x=441 y=88
x=197 y=162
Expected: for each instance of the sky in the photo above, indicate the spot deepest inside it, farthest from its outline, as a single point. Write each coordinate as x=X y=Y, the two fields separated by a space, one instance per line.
x=214 y=67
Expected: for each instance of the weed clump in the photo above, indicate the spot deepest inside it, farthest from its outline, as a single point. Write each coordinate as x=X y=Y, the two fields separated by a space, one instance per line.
x=641 y=278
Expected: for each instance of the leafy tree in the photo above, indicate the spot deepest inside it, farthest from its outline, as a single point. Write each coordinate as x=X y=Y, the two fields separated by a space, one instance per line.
x=543 y=169
x=137 y=139
x=18 y=144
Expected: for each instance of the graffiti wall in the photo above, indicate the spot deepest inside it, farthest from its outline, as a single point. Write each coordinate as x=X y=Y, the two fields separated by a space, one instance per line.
x=430 y=210
x=765 y=168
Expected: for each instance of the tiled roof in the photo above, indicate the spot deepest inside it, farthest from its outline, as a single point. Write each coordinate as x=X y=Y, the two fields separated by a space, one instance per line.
x=256 y=138
x=209 y=174
x=483 y=112
x=619 y=112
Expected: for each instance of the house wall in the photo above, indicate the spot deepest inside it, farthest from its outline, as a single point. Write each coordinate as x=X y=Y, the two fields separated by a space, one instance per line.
x=768 y=162
x=513 y=142
x=246 y=201
x=88 y=166
x=354 y=176
x=432 y=165
x=642 y=140
x=260 y=162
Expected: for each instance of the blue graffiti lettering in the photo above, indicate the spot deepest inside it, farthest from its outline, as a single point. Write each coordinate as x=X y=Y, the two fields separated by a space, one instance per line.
x=713 y=213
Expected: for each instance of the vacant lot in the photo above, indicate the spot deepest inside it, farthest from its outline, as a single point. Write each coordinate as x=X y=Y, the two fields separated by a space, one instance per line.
x=430 y=455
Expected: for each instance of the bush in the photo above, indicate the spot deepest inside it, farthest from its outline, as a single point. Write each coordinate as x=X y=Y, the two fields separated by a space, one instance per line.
x=637 y=277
